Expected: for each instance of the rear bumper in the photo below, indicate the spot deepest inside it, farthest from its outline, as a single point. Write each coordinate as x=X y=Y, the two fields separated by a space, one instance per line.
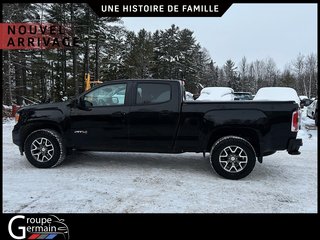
x=294 y=145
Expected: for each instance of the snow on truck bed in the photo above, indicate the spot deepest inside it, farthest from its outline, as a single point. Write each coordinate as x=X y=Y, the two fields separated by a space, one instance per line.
x=99 y=182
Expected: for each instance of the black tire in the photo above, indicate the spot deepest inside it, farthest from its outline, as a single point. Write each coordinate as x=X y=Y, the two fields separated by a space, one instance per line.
x=45 y=148
x=316 y=118
x=232 y=157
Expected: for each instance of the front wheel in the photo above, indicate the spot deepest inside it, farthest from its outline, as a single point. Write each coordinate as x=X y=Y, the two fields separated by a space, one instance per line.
x=44 y=148
x=233 y=157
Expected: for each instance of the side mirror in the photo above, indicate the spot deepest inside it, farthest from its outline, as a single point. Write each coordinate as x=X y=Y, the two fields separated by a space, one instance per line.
x=74 y=103
x=84 y=104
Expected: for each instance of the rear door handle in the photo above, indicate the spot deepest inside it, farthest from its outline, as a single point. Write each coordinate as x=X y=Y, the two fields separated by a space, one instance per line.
x=118 y=114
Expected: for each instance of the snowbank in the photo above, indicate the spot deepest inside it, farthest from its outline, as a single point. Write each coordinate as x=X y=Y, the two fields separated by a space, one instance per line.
x=99 y=182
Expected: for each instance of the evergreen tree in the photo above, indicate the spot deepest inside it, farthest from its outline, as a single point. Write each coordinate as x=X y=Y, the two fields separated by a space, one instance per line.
x=232 y=79
x=140 y=58
x=108 y=51
x=156 y=40
x=287 y=78
x=113 y=54
x=169 y=53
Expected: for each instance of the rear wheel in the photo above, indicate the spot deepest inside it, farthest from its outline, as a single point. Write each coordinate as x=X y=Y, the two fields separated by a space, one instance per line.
x=44 y=148
x=233 y=157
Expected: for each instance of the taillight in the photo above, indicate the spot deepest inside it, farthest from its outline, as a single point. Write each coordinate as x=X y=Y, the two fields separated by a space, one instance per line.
x=17 y=116
x=295 y=121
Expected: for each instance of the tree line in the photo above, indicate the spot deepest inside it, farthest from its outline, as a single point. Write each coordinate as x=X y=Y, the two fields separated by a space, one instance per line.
x=109 y=51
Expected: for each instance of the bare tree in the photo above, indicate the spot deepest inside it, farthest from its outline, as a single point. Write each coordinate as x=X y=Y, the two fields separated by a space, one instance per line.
x=74 y=52
x=259 y=72
x=298 y=68
x=271 y=72
x=310 y=72
x=243 y=72
x=251 y=79
x=243 y=67
x=7 y=78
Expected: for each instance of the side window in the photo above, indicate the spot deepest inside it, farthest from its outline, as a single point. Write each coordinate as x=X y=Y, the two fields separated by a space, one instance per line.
x=109 y=95
x=150 y=93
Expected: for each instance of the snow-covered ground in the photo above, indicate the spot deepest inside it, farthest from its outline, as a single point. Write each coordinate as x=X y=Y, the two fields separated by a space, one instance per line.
x=97 y=182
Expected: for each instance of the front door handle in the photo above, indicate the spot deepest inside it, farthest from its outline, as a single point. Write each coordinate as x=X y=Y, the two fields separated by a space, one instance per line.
x=165 y=112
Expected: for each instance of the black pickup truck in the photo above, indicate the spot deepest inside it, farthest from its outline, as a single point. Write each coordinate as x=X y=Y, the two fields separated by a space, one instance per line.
x=153 y=116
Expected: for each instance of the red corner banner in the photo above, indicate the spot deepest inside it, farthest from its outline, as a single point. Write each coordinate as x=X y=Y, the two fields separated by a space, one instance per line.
x=14 y=36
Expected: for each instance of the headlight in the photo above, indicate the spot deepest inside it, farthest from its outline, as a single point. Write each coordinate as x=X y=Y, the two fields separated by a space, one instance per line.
x=17 y=116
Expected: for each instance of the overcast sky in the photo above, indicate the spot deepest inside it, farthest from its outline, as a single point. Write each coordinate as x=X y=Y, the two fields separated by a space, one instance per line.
x=257 y=31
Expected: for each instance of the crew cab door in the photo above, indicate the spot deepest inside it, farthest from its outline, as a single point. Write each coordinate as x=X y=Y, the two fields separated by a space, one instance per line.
x=102 y=123
x=154 y=116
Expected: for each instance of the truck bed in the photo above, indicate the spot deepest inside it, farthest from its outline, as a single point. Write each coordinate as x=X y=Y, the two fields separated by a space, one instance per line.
x=202 y=122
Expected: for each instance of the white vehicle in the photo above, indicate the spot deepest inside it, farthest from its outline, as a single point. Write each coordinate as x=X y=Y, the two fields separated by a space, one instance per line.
x=305 y=101
x=312 y=111
x=277 y=94
x=302 y=97
x=189 y=96
x=216 y=94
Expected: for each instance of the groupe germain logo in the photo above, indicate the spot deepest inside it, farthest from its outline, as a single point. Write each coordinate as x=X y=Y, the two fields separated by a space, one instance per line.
x=25 y=227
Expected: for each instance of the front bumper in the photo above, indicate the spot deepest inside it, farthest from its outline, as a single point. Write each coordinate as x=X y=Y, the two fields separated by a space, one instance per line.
x=294 y=145
x=16 y=136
